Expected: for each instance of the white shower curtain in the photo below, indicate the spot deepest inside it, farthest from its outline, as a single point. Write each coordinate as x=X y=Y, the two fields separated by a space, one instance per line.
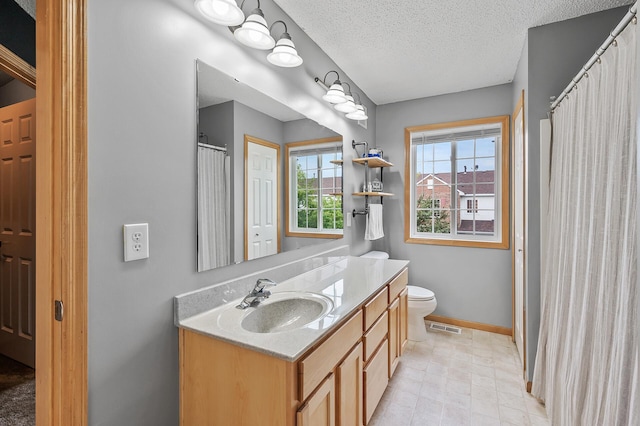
x=213 y=241
x=586 y=367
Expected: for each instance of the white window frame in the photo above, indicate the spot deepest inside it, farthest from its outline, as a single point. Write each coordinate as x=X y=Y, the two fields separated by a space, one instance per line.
x=292 y=150
x=500 y=237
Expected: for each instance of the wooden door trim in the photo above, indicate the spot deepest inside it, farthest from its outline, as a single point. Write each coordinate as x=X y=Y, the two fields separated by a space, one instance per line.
x=61 y=218
x=519 y=109
x=17 y=67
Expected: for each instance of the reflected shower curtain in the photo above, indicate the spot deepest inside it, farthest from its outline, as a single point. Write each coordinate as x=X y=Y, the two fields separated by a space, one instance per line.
x=586 y=367
x=213 y=241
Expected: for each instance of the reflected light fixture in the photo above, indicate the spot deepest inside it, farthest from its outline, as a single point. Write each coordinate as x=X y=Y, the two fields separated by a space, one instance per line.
x=284 y=54
x=359 y=113
x=223 y=12
x=349 y=105
x=254 y=31
x=335 y=94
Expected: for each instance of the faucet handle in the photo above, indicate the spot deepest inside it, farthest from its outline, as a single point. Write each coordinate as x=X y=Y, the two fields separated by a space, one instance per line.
x=264 y=282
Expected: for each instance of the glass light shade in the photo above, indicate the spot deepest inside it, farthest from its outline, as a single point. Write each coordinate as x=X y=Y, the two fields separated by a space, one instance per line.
x=346 y=107
x=359 y=114
x=223 y=12
x=335 y=94
x=285 y=54
x=254 y=32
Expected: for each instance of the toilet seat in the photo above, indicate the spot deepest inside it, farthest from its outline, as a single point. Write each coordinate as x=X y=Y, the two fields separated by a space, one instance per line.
x=420 y=293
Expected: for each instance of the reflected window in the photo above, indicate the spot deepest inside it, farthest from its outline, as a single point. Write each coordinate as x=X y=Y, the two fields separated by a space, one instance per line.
x=314 y=194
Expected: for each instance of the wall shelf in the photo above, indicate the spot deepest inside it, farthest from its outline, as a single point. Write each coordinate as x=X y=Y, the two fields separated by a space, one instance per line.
x=369 y=163
x=372 y=194
x=372 y=162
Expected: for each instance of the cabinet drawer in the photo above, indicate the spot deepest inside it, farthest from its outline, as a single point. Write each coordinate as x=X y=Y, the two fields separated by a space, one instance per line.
x=398 y=284
x=376 y=379
x=375 y=335
x=318 y=364
x=375 y=307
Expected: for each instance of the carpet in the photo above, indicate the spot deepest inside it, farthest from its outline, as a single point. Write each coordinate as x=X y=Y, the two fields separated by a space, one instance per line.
x=17 y=393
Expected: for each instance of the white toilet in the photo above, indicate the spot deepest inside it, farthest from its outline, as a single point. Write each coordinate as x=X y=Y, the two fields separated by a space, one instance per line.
x=422 y=302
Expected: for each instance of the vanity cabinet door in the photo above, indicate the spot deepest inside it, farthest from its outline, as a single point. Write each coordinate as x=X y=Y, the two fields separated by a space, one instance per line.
x=376 y=378
x=394 y=336
x=349 y=389
x=320 y=408
x=404 y=318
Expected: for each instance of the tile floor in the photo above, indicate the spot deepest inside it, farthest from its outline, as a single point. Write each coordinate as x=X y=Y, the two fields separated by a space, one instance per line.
x=471 y=379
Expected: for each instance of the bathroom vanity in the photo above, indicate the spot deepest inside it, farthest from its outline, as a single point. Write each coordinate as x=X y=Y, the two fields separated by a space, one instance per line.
x=332 y=370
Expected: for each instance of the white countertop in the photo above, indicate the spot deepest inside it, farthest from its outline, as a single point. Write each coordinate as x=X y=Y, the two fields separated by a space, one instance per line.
x=347 y=283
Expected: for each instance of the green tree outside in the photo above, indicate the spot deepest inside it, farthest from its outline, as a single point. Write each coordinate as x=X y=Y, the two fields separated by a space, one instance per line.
x=426 y=217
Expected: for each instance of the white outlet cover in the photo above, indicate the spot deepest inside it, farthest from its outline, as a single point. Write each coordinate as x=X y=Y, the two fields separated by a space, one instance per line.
x=136 y=241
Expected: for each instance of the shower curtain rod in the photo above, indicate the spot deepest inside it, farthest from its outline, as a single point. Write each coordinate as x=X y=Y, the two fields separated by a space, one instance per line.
x=630 y=16
x=216 y=147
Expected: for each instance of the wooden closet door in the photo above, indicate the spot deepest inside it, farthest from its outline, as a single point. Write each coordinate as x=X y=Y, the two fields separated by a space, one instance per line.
x=17 y=232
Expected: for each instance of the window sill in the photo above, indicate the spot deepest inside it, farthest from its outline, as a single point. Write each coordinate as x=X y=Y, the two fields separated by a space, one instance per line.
x=312 y=235
x=501 y=245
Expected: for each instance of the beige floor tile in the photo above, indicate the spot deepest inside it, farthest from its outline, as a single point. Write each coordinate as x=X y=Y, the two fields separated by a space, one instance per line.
x=484 y=394
x=483 y=381
x=486 y=408
x=470 y=379
x=511 y=401
x=483 y=371
x=513 y=416
x=481 y=420
x=453 y=415
x=458 y=386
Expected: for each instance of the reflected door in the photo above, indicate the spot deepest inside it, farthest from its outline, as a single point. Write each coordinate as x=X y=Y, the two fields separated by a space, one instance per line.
x=17 y=232
x=262 y=236
x=519 y=229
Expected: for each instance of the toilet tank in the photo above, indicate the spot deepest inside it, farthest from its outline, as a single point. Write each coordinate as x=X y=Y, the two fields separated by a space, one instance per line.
x=376 y=254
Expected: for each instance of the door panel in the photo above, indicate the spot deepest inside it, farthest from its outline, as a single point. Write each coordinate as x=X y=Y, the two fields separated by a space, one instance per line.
x=17 y=229
x=519 y=229
x=262 y=213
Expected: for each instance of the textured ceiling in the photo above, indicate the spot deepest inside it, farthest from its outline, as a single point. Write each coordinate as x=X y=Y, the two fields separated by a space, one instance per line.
x=396 y=50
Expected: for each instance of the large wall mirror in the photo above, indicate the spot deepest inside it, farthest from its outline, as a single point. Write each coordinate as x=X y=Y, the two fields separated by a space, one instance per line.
x=269 y=178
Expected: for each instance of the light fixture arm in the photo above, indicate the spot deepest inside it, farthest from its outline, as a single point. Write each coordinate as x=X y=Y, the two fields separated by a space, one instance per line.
x=286 y=31
x=324 y=80
x=349 y=86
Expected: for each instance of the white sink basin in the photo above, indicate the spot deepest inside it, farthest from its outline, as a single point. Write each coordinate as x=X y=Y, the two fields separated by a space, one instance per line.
x=283 y=311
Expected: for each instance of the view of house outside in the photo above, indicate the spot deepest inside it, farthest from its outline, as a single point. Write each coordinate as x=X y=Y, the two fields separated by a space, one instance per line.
x=455 y=181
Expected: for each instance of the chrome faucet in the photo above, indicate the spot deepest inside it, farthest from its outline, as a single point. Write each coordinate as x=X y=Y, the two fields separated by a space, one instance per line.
x=258 y=294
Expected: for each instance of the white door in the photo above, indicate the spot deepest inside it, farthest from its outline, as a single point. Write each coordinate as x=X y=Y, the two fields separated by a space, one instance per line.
x=519 y=229
x=261 y=189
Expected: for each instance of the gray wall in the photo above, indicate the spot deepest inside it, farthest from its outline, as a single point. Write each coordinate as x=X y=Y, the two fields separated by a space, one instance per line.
x=554 y=55
x=470 y=283
x=15 y=91
x=141 y=112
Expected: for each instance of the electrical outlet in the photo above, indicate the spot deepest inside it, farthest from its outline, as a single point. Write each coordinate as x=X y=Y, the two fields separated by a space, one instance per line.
x=136 y=241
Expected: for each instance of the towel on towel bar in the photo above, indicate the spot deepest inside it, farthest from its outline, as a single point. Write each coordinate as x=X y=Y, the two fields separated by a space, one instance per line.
x=374 y=229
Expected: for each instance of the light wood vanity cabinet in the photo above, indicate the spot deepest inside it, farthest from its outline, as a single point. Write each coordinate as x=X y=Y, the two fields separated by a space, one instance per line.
x=337 y=382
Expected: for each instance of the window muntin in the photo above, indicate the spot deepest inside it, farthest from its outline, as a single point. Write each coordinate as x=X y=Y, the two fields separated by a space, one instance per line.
x=464 y=167
x=314 y=199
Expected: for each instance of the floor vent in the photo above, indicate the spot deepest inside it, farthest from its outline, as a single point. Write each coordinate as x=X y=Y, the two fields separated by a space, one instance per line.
x=447 y=328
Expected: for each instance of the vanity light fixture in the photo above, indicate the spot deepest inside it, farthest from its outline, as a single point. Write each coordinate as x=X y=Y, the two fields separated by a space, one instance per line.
x=335 y=94
x=349 y=105
x=254 y=31
x=223 y=12
x=284 y=54
x=359 y=113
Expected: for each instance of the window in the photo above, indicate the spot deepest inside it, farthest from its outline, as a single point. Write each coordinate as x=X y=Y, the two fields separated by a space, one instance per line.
x=457 y=183
x=314 y=188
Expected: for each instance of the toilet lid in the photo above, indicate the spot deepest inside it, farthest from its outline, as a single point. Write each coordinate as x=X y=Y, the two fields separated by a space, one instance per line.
x=420 y=293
